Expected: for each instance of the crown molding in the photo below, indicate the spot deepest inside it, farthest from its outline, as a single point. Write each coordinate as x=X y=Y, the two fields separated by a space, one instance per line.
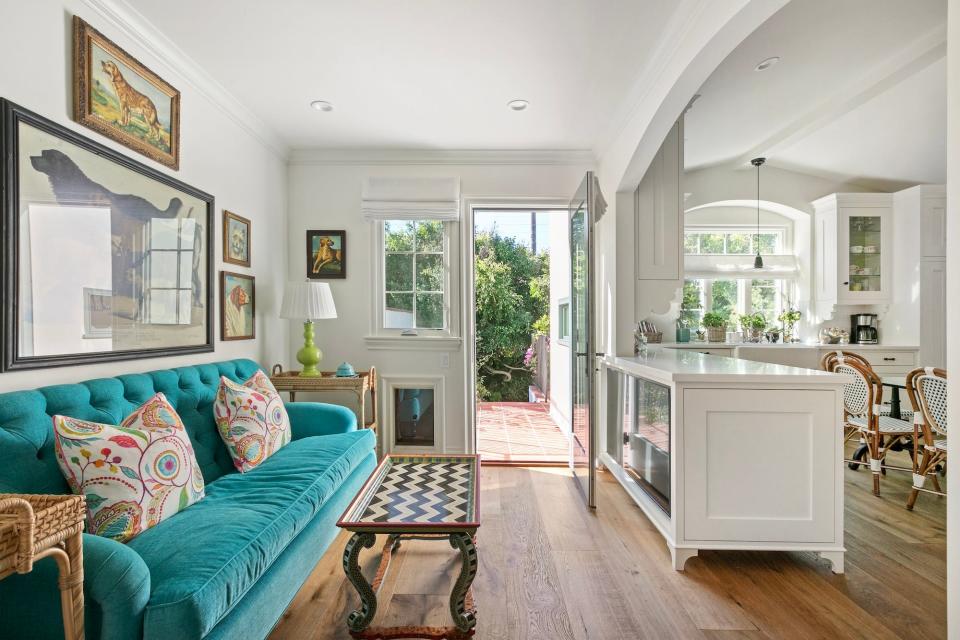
x=318 y=156
x=136 y=28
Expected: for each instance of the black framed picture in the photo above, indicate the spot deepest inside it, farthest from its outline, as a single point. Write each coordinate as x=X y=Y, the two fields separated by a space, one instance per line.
x=326 y=254
x=104 y=258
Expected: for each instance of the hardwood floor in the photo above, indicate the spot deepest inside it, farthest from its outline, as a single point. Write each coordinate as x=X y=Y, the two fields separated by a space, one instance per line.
x=551 y=570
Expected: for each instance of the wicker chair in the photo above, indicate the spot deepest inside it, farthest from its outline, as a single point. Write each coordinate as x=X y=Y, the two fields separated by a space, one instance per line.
x=850 y=356
x=927 y=389
x=861 y=412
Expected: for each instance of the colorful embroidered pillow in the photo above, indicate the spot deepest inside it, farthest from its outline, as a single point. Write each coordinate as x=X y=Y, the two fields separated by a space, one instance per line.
x=251 y=420
x=133 y=475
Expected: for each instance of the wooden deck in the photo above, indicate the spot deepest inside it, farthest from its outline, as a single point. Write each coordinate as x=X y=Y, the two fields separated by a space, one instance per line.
x=550 y=570
x=519 y=432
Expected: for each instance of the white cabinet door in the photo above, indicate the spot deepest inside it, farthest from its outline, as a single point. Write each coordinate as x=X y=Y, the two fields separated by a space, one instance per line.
x=864 y=255
x=659 y=213
x=760 y=465
x=933 y=313
x=933 y=228
x=825 y=239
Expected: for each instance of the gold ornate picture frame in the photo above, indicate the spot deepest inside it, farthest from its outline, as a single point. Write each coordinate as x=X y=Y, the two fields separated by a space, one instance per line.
x=117 y=96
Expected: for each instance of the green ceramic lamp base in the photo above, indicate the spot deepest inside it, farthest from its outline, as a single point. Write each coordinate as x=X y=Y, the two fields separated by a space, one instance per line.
x=309 y=355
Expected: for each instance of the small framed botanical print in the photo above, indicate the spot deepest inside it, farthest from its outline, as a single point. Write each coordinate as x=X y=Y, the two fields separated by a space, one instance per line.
x=326 y=254
x=236 y=239
x=117 y=96
x=238 y=310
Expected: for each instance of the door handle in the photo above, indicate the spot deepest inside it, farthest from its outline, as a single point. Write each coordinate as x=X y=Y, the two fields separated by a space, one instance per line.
x=845 y=283
x=890 y=359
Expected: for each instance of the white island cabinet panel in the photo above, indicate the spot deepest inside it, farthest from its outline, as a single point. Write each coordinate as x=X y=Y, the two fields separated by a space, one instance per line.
x=759 y=465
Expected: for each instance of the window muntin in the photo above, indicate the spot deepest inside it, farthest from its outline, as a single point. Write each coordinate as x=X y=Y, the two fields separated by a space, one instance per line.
x=734 y=241
x=168 y=269
x=728 y=296
x=415 y=275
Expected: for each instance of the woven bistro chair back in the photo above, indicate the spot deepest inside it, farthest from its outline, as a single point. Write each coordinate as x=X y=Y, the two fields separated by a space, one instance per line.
x=831 y=357
x=927 y=388
x=860 y=395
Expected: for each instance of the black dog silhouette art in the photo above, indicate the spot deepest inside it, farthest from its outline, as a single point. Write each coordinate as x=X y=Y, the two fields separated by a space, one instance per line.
x=129 y=214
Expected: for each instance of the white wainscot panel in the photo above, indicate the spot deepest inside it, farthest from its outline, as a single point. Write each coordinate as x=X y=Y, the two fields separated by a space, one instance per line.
x=785 y=439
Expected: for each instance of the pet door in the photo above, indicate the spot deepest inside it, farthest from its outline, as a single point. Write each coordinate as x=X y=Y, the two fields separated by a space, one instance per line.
x=414 y=417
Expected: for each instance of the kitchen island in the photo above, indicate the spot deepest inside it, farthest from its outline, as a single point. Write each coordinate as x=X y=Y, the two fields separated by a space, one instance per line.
x=726 y=453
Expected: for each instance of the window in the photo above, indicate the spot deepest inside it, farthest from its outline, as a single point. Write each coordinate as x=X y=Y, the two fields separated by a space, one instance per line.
x=415 y=265
x=563 y=320
x=727 y=296
x=168 y=271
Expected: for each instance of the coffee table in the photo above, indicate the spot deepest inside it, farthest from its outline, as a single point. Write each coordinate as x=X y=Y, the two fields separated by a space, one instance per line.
x=415 y=497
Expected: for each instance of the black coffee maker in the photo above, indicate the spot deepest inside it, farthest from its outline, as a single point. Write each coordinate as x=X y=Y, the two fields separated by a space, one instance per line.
x=863 y=329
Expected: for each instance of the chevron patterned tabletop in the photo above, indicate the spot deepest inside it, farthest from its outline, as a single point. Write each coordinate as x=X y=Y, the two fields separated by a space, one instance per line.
x=417 y=493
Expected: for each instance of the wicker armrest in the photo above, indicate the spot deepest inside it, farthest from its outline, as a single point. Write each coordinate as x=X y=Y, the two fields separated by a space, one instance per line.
x=30 y=524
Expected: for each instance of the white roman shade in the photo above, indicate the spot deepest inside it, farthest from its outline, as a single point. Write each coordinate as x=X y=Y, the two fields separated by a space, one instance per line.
x=728 y=266
x=411 y=199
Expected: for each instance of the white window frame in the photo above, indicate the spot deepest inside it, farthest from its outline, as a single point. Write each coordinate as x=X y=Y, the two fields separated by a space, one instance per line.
x=563 y=317
x=382 y=337
x=744 y=288
x=786 y=238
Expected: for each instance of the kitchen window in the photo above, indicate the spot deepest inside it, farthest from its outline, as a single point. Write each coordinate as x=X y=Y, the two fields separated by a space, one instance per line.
x=739 y=293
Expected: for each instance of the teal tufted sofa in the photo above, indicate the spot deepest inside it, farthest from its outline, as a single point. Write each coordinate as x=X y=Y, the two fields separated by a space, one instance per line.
x=227 y=566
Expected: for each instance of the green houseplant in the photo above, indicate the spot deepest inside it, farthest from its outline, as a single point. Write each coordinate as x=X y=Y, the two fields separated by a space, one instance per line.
x=789 y=318
x=716 y=324
x=753 y=325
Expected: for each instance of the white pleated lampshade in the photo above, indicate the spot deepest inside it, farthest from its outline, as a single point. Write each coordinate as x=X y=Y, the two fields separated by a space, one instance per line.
x=307 y=301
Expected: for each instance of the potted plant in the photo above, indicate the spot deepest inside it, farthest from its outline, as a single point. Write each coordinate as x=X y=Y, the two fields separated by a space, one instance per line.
x=789 y=318
x=753 y=325
x=716 y=325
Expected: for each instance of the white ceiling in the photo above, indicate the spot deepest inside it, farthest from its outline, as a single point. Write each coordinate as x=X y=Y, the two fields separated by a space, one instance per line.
x=859 y=94
x=421 y=74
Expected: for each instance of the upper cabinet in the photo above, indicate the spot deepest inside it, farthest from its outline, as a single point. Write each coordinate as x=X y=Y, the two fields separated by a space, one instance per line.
x=853 y=248
x=659 y=213
x=933 y=221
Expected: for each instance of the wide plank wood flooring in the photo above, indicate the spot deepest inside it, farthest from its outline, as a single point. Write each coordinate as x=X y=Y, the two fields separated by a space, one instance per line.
x=551 y=570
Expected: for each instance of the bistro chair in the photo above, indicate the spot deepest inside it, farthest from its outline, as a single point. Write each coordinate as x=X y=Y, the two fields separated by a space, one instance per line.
x=849 y=356
x=861 y=411
x=927 y=389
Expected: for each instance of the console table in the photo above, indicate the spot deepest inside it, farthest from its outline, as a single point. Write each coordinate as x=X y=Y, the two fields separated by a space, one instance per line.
x=291 y=382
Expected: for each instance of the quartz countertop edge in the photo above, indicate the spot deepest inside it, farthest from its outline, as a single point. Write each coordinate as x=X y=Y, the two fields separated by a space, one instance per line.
x=792 y=345
x=663 y=364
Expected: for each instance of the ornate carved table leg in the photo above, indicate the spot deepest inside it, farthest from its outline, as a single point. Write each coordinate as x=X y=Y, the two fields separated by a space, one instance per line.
x=359 y=619
x=462 y=618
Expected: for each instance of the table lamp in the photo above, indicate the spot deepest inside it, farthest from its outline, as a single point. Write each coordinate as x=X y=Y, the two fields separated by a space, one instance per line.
x=308 y=301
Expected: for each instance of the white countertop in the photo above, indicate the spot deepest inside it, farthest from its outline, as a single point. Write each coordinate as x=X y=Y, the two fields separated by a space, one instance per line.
x=665 y=364
x=792 y=345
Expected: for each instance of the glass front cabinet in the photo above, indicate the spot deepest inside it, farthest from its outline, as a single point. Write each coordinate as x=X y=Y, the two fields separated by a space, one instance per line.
x=853 y=245
x=638 y=433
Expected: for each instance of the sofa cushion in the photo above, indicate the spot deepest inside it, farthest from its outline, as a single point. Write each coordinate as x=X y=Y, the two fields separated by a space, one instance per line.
x=251 y=420
x=203 y=560
x=134 y=475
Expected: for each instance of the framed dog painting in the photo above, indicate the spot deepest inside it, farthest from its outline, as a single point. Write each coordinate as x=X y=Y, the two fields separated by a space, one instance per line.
x=238 y=309
x=104 y=258
x=236 y=239
x=117 y=96
x=326 y=254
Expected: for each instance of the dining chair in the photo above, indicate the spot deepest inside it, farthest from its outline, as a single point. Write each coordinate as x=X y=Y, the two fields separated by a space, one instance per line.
x=861 y=410
x=850 y=356
x=927 y=389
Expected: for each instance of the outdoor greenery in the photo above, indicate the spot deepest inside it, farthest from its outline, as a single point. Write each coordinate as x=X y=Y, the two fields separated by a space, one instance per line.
x=414 y=271
x=512 y=306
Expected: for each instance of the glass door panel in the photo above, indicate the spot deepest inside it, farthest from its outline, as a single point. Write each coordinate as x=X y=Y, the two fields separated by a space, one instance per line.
x=865 y=253
x=583 y=438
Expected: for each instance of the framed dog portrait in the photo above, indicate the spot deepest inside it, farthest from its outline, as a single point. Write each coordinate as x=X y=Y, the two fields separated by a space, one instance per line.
x=236 y=239
x=114 y=94
x=326 y=254
x=104 y=257
x=238 y=309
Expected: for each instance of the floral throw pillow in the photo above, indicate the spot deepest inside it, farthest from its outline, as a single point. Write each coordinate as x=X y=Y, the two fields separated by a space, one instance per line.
x=134 y=475
x=251 y=419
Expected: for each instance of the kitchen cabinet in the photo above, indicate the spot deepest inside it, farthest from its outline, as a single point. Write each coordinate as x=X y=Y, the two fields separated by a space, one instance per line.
x=659 y=214
x=853 y=249
x=933 y=313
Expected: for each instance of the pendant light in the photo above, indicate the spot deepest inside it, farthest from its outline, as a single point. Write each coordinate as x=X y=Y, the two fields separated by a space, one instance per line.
x=758 y=261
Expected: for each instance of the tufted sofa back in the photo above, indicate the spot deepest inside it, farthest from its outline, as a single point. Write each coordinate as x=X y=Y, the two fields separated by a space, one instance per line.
x=26 y=426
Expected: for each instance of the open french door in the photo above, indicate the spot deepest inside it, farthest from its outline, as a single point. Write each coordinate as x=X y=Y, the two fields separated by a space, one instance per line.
x=585 y=208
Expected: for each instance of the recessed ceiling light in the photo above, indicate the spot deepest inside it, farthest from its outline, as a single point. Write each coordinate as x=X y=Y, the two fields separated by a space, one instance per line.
x=321 y=105
x=518 y=105
x=766 y=64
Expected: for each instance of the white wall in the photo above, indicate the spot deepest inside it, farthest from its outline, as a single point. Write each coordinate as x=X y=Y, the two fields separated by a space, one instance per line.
x=953 y=308
x=560 y=357
x=217 y=156
x=326 y=195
